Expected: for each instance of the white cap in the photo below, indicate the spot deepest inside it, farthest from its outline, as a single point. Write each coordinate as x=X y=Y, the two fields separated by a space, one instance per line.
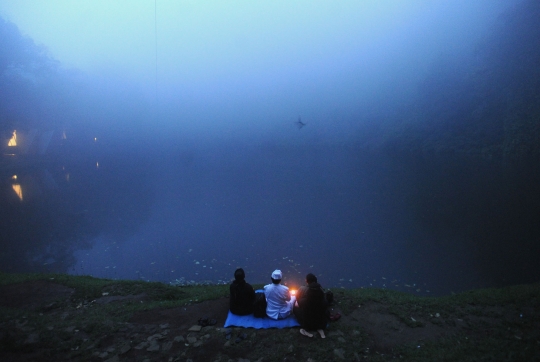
x=277 y=274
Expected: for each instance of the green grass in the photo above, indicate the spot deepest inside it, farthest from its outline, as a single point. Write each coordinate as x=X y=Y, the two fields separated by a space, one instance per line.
x=98 y=319
x=513 y=338
x=87 y=288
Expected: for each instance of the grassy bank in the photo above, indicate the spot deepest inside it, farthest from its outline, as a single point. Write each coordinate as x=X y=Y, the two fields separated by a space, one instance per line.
x=62 y=317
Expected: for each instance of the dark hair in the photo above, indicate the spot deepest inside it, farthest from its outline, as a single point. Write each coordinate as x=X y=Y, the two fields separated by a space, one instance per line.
x=276 y=281
x=310 y=278
x=239 y=274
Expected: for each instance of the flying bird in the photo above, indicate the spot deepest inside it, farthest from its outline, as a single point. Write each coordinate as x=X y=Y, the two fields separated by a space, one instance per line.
x=299 y=123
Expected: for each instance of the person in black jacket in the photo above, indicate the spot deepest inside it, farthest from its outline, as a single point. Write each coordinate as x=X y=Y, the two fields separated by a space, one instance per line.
x=242 y=294
x=310 y=310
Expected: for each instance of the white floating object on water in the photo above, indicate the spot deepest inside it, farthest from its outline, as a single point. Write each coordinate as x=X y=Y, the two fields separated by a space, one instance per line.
x=197 y=262
x=414 y=320
x=350 y=280
x=104 y=294
x=437 y=315
x=189 y=251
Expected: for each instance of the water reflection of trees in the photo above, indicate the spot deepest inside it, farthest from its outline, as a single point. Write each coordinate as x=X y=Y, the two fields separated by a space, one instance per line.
x=41 y=231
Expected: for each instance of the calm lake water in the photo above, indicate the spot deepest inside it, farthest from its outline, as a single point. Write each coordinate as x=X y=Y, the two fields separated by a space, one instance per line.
x=196 y=213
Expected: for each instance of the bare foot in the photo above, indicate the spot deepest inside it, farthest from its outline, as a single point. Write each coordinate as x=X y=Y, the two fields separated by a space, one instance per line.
x=321 y=332
x=305 y=333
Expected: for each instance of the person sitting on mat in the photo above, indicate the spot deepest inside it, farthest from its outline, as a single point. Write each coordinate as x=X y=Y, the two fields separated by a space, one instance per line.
x=278 y=299
x=242 y=294
x=310 y=307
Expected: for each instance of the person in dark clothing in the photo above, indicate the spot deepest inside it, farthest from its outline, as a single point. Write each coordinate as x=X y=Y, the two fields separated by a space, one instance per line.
x=310 y=310
x=242 y=294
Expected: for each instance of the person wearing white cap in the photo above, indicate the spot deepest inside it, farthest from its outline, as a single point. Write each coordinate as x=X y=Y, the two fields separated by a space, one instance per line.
x=278 y=299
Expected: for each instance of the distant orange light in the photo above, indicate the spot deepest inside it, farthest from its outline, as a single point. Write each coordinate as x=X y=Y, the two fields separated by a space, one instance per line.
x=13 y=140
x=293 y=292
x=18 y=190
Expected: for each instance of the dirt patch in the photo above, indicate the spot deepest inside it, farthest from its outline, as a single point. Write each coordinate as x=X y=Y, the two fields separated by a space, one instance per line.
x=185 y=317
x=388 y=331
x=121 y=298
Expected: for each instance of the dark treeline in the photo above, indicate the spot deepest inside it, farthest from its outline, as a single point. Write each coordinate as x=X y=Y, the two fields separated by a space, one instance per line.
x=68 y=199
x=27 y=74
x=468 y=149
x=486 y=104
x=38 y=93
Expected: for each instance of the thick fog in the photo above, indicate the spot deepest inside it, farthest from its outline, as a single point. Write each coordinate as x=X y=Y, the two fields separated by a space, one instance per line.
x=374 y=143
x=246 y=69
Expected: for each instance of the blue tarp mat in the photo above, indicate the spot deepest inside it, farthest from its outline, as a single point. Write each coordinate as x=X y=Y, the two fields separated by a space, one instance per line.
x=249 y=321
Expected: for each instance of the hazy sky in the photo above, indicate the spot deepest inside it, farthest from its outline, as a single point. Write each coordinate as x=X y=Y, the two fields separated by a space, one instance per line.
x=236 y=59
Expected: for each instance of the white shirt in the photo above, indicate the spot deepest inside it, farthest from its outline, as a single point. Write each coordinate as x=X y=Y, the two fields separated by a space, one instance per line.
x=278 y=299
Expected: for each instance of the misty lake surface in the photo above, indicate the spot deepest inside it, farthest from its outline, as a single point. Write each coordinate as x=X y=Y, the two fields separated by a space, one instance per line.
x=257 y=209
x=196 y=213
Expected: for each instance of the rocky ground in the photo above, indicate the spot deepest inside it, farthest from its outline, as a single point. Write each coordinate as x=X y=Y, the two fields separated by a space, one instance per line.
x=42 y=321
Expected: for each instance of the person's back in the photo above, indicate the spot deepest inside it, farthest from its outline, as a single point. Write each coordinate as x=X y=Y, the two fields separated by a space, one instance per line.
x=314 y=307
x=278 y=299
x=242 y=295
x=311 y=310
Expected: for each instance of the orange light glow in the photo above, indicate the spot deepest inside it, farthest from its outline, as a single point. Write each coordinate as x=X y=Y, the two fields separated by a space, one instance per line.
x=293 y=292
x=18 y=190
x=13 y=140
